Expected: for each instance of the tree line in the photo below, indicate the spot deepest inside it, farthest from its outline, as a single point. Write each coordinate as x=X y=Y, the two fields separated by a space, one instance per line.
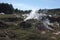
x=9 y=9
x=50 y=11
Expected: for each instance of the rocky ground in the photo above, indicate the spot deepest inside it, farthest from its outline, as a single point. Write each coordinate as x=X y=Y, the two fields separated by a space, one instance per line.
x=11 y=29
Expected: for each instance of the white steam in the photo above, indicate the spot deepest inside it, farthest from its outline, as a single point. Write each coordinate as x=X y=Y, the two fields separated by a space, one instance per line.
x=40 y=17
x=32 y=15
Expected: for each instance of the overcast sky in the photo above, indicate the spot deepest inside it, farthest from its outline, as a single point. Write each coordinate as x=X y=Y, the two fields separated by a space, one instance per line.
x=33 y=4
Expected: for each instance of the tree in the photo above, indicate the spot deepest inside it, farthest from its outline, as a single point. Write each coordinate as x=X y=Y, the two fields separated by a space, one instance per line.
x=6 y=8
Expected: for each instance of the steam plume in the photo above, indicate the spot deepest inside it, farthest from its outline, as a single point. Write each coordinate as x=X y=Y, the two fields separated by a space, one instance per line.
x=40 y=17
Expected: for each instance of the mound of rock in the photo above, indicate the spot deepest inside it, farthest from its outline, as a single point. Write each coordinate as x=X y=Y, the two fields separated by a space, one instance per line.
x=25 y=25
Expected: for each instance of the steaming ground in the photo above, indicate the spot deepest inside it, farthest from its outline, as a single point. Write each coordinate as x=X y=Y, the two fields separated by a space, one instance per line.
x=40 y=17
x=32 y=15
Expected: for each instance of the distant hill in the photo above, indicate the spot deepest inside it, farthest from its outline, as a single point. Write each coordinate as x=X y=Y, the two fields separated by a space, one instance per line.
x=54 y=11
